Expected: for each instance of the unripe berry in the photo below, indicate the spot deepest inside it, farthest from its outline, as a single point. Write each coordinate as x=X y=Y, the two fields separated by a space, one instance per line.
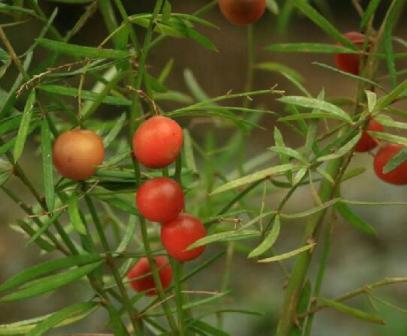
x=367 y=142
x=157 y=142
x=179 y=234
x=397 y=176
x=350 y=62
x=242 y=12
x=160 y=199
x=141 y=277
x=77 y=153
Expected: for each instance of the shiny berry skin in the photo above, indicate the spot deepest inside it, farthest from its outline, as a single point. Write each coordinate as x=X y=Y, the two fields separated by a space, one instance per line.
x=367 y=142
x=242 y=12
x=397 y=176
x=350 y=62
x=160 y=199
x=180 y=233
x=157 y=142
x=141 y=277
x=77 y=153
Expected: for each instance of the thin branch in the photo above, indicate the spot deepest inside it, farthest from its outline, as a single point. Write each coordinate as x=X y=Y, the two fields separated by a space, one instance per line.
x=361 y=290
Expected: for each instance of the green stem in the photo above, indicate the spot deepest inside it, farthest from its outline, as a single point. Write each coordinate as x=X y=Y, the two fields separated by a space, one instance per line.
x=156 y=276
x=110 y=262
x=325 y=252
x=336 y=169
x=178 y=169
x=146 y=45
x=205 y=9
x=179 y=296
x=246 y=103
x=226 y=277
x=296 y=281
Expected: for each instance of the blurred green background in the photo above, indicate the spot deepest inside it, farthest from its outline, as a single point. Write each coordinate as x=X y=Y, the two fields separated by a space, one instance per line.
x=356 y=258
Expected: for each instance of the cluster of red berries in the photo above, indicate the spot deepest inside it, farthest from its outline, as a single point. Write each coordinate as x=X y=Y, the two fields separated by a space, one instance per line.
x=156 y=144
x=351 y=63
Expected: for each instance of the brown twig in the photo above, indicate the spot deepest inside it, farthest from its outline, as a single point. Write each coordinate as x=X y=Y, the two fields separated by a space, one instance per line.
x=147 y=98
x=12 y=53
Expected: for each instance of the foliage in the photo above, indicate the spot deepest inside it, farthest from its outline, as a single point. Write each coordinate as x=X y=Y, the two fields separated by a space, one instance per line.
x=94 y=224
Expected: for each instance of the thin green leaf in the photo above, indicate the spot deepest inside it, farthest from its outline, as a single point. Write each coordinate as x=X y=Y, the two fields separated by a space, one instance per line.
x=288 y=254
x=313 y=115
x=57 y=318
x=47 y=165
x=351 y=311
x=74 y=215
x=10 y=123
x=323 y=23
x=272 y=6
x=51 y=283
x=389 y=122
x=189 y=152
x=194 y=87
x=290 y=74
x=82 y=51
x=128 y=235
x=112 y=77
x=355 y=220
x=198 y=303
x=311 y=211
x=299 y=175
x=288 y=152
x=388 y=99
x=310 y=48
x=269 y=241
x=114 y=132
x=391 y=17
x=24 y=327
x=7 y=102
x=348 y=74
x=369 y=13
x=280 y=68
x=224 y=236
x=397 y=160
x=41 y=242
x=49 y=221
x=24 y=126
x=85 y=94
x=318 y=104
x=389 y=137
x=262 y=174
x=206 y=328
x=38 y=271
x=346 y=148
x=371 y=100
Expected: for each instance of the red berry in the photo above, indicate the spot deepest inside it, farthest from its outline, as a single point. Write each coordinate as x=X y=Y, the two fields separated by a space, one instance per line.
x=160 y=199
x=350 y=62
x=397 y=176
x=76 y=154
x=367 y=142
x=180 y=233
x=141 y=277
x=242 y=12
x=157 y=142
